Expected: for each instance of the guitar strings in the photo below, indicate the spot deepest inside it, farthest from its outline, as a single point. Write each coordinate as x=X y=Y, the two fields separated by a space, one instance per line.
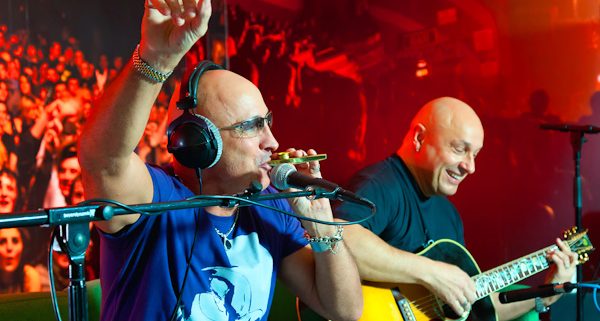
x=427 y=305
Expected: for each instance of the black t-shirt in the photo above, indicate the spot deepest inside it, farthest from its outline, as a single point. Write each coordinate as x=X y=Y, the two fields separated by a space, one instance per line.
x=405 y=218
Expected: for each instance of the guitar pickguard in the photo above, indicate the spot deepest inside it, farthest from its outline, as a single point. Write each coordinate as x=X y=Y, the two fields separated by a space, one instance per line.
x=417 y=303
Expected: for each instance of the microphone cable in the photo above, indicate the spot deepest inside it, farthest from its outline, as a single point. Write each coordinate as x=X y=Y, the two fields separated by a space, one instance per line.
x=241 y=200
x=595 y=287
x=50 y=262
x=55 y=307
x=248 y=202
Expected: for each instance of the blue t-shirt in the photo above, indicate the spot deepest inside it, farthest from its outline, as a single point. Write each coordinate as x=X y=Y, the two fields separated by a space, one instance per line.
x=143 y=266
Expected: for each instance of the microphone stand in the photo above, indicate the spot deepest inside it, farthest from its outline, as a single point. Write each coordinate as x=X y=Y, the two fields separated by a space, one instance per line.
x=74 y=235
x=577 y=140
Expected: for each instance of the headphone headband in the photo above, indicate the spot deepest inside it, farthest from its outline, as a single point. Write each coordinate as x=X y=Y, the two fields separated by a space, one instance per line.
x=188 y=97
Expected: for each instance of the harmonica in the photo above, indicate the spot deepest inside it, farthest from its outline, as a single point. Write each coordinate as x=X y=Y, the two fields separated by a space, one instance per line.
x=284 y=157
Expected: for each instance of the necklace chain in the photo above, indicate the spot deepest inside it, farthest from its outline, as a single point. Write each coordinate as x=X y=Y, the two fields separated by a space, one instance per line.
x=225 y=236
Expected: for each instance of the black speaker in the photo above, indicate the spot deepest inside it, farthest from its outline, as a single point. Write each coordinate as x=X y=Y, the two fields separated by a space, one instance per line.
x=193 y=139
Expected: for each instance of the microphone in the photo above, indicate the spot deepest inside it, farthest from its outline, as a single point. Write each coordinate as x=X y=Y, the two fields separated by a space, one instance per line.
x=284 y=176
x=541 y=291
x=587 y=129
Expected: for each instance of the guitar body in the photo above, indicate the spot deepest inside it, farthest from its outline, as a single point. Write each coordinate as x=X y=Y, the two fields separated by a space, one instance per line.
x=409 y=302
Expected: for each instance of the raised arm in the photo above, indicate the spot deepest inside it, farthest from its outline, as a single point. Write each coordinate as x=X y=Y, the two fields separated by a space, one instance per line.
x=110 y=169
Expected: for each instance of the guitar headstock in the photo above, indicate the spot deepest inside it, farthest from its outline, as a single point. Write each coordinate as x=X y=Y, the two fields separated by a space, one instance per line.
x=579 y=242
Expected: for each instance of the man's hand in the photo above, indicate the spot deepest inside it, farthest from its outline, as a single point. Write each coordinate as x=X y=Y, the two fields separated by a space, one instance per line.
x=565 y=263
x=319 y=208
x=451 y=284
x=170 y=28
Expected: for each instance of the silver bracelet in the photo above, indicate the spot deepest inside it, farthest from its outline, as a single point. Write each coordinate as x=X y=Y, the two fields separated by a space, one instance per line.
x=146 y=70
x=540 y=307
x=325 y=243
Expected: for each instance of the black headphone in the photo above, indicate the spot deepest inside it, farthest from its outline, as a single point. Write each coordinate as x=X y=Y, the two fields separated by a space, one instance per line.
x=193 y=139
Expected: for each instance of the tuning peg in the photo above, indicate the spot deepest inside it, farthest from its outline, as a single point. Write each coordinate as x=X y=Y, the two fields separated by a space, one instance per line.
x=569 y=232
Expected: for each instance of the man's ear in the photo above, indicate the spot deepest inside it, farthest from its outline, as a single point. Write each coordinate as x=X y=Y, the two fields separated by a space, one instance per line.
x=418 y=136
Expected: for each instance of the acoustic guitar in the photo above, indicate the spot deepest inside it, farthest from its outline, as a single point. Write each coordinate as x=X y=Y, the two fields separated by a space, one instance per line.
x=410 y=302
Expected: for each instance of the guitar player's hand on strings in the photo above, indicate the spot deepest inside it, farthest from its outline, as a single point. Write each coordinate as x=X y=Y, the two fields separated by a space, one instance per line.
x=563 y=270
x=451 y=284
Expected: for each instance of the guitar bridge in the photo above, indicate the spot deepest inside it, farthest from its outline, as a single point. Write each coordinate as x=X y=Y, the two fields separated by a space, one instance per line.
x=403 y=305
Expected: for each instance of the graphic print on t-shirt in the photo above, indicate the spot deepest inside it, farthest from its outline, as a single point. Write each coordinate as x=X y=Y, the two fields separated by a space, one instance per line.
x=240 y=292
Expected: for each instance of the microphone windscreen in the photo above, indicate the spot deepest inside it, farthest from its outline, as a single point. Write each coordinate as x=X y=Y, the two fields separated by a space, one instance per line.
x=279 y=175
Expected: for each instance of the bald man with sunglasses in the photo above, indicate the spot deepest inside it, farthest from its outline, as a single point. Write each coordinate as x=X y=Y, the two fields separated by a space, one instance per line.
x=217 y=263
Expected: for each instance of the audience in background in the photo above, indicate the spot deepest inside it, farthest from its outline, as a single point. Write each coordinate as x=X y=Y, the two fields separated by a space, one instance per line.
x=8 y=191
x=48 y=86
x=15 y=274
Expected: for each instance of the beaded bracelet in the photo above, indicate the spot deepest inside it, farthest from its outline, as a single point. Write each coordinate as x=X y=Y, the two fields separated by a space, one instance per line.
x=146 y=70
x=325 y=243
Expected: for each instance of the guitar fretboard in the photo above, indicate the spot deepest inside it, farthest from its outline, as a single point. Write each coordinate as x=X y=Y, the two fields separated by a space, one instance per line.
x=511 y=272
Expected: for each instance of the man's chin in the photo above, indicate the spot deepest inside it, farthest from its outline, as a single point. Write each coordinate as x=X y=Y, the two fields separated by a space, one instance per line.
x=264 y=181
x=448 y=191
x=242 y=185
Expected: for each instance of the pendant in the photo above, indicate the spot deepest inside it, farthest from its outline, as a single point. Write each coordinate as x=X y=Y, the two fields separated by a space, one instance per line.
x=227 y=243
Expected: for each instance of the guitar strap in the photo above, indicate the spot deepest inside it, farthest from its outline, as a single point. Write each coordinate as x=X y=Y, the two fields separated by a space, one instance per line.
x=426 y=244
x=427 y=239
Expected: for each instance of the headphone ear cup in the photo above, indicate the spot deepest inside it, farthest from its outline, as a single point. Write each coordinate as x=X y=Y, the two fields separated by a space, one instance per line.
x=194 y=141
x=217 y=141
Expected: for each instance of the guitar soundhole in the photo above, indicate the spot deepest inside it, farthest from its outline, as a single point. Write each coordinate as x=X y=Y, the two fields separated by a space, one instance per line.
x=449 y=313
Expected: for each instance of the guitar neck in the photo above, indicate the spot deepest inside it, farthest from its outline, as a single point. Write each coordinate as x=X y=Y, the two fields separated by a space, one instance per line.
x=511 y=272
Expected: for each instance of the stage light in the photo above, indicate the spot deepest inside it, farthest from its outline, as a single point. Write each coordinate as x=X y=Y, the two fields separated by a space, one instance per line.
x=422 y=69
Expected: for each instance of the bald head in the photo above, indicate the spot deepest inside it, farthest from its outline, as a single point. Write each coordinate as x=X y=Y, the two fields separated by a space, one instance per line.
x=226 y=97
x=440 y=148
x=219 y=91
x=229 y=100
x=446 y=112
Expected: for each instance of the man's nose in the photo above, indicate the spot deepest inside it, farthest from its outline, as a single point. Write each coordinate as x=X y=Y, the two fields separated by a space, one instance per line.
x=268 y=140
x=468 y=164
